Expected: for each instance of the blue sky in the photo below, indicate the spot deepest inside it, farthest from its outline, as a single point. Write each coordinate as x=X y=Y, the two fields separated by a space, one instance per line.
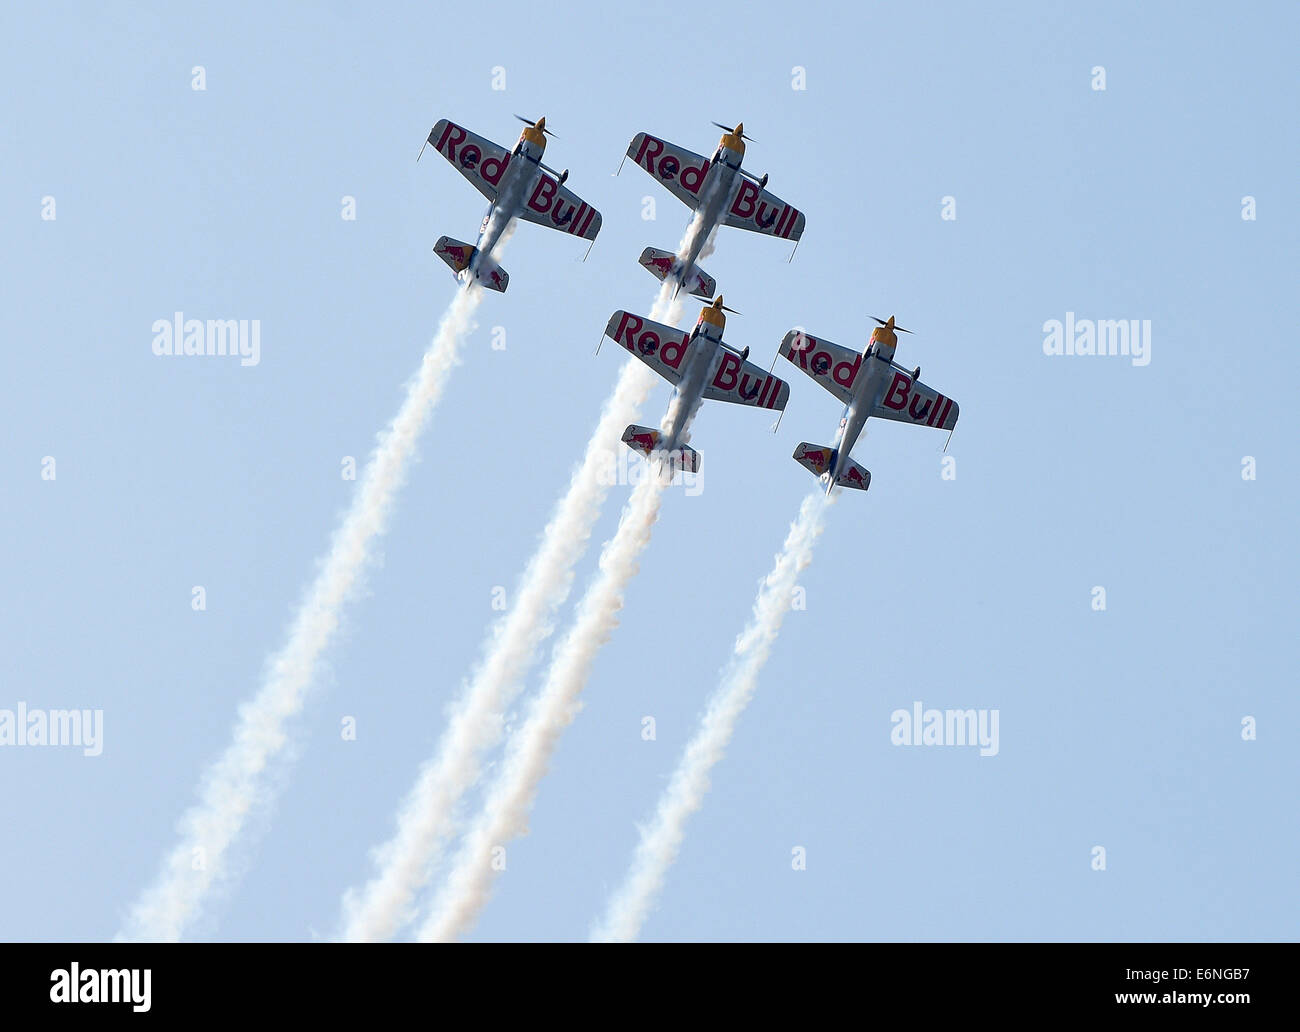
x=1118 y=728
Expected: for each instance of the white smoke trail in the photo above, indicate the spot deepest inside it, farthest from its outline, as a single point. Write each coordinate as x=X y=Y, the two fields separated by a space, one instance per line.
x=660 y=841
x=426 y=818
x=505 y=813
x=236 y=783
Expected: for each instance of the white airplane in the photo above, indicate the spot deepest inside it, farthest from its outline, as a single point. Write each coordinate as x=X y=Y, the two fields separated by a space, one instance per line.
x=718 y=188
x=701 y=366
x=869 y=384
x=517 y=185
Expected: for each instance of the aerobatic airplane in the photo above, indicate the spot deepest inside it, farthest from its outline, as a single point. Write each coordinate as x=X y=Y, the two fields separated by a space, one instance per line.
x=717 y=188
x=869 y=384
x=517 y=185
x=701 y=366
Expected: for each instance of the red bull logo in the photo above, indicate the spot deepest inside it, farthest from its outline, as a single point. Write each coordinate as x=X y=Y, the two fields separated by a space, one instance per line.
x=651 y=157
x=644 y=443
x=901 y=398
x=459 y=254
x=805 y=352
x=819 y=457
x=469 y=156
x=779 y=221
x=547 y=199
x=632 y=334
x=762 y=390
x=853 y=475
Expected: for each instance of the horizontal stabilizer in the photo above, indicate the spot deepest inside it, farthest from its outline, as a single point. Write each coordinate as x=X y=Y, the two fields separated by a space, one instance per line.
x=817 y=459
x=854 y=476
x=646 y=440
x=459 y=256
x=456 y=253
x=663 y=264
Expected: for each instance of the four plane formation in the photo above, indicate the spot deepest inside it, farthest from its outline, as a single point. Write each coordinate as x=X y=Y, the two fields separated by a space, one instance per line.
x=699 y=364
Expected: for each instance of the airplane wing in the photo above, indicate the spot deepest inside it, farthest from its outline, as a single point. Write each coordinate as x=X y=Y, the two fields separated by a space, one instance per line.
x=478 y=160
x=762 y=212
x=834 y=367
x=662 y=348
x=910 y=401
x=744 y=383
x=558 y=207
x=680 y=170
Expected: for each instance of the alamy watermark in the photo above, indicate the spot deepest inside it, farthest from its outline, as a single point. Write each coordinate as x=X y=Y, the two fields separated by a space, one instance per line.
x=234 y=337
x=73 y=984
x=1131 y=337
x=82 y=729
x=921 y=726
x=624 y=467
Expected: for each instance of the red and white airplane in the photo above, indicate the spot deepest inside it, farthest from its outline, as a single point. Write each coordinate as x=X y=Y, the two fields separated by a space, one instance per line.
x=869 y=384
x=721 y=191
x=701 y=367
x=517 y=185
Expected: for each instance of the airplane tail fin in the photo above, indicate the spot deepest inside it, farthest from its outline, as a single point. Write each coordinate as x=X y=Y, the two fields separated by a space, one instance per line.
x=459 y=255
x=663 y=264
x=854 y=476
x=817 y=458
x=646 y=440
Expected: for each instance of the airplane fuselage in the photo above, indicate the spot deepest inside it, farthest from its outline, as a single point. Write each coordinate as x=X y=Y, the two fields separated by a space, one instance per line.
x=716 y=192
x=701 y=366
x=517 y=182
x=868 y=389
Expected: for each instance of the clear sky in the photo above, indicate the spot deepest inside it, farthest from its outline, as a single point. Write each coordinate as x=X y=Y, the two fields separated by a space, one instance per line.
x=1119 y=728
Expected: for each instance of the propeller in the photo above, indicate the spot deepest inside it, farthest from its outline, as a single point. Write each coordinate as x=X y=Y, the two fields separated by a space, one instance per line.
x=883 y=322
x=738 y=131
x=715 y=303
x=533 y=122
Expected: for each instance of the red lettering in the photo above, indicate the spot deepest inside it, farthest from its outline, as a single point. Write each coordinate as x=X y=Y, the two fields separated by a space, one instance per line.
x=671 y=356
x=447 y=145
x=562 y=218
x=543 y=191
x=648 y=342
x=916 y=414
x=765 y=216
x=846 y=372
x=801 y=347
x=725 y=379
x=628 y=327
x=743 y=206
x=469 y=157
x=896 y=396
x=749 y=386
x=645 y=157
x=491 y=169
x=692 y=177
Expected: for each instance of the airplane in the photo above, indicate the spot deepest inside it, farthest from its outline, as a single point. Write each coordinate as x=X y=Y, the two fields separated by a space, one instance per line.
x=719 y=189
x=517 y=185
x=869 y=384
x=701 y=366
